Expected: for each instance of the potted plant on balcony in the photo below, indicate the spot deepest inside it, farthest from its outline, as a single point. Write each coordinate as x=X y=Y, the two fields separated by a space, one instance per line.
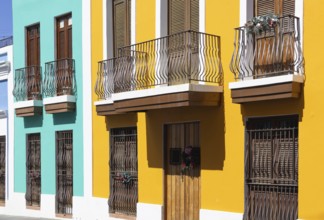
x=262 y=23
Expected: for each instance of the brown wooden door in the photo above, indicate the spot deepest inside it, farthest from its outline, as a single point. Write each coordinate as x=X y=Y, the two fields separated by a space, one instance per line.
x=64 y=55
x=33 y=62
x=183 y=16
x=275 y=48
x=182 y=174
x=64 y=37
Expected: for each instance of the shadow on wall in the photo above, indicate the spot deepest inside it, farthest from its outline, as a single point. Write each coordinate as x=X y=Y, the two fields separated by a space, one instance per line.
x=212 y=133
x=64 y=118
x=33 y=121
x=291 y=106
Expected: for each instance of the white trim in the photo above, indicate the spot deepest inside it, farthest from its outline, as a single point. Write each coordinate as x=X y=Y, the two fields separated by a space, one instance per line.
x=266 y=81
x=104 y=28
x=87 y=98
x=219 y=215
x=202 y=16
x=133 y=22
x=104 y=102
x=161 y=19
x=59 y=99
x=299 y=12
x=243 y=12
x=160 y=91
x=158 y=18
x=10 y=130
x=29 y=103
x=147 y=211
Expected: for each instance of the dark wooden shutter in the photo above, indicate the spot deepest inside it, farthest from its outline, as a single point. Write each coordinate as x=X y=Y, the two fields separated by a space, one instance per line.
x=288 y=7
x=264 y=7
x=33 y=62
x=183 y=15
x=121 y=24
x=278 y=7
x=194 y=15
x=33 y=52
x=177 y=15
x=64 y=36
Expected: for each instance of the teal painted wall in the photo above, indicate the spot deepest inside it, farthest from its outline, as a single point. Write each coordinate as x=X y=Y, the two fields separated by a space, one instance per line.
x=26 y=13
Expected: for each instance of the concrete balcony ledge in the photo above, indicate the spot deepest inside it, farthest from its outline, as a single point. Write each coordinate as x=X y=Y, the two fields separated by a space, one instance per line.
x=160 y=97
x=59 y=104
x=28 y=108
x=269 y=88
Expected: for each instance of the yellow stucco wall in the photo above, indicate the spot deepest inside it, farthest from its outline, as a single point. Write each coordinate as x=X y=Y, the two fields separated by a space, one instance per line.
x=311 y=147
x=99 y=134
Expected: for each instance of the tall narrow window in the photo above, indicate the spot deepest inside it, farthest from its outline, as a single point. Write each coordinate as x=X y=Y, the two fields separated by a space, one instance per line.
x=64 y=36
x=271 y=168
x=182 y=44
x=33 y=169
x=275 y=47
x=2 y=170
x=64 y=173
x=123 y=171
x=121 y=27
x=64 y=64
x=33 y=71
x=33 y=49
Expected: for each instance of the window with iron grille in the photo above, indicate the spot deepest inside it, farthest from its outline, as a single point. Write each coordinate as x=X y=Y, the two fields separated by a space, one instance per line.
x=271 y=168
x=33 y=171
x=2 y=169
x=64 y=172
x=123 y=171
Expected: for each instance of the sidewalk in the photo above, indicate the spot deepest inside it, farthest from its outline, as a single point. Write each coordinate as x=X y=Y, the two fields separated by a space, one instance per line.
x=10 y=217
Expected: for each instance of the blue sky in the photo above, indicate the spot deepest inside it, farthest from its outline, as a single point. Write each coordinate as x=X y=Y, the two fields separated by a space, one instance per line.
x=5 y=18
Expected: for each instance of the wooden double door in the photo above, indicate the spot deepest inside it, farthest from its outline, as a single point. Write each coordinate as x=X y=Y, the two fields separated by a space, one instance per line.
x=182 y=171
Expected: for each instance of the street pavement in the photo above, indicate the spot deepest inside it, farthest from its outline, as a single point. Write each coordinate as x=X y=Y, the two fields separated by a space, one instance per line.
x=10 y=217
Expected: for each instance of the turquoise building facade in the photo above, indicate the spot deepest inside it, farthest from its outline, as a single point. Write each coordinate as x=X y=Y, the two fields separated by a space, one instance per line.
x=50 y=123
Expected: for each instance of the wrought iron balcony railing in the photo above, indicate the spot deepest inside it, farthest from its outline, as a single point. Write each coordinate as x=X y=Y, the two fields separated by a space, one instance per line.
x=272 y=52
x=59 y=78
x=176 y=59
x=27 y=83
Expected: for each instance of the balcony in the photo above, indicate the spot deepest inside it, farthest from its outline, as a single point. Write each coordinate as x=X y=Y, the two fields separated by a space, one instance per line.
x=6 y=41
x=59 y=86
x=268 y=64
x=183 y=69
x=27 y=91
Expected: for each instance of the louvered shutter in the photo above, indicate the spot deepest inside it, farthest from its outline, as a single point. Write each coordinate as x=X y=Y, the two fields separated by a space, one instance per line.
x=279 y=7
x=177 y=15
x=183 y=15
x=121 y=24
x=288 y=7
x=194 y=15
x=264 y=7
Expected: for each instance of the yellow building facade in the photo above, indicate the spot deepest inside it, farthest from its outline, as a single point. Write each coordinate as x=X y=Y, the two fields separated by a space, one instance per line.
x=176 y=136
